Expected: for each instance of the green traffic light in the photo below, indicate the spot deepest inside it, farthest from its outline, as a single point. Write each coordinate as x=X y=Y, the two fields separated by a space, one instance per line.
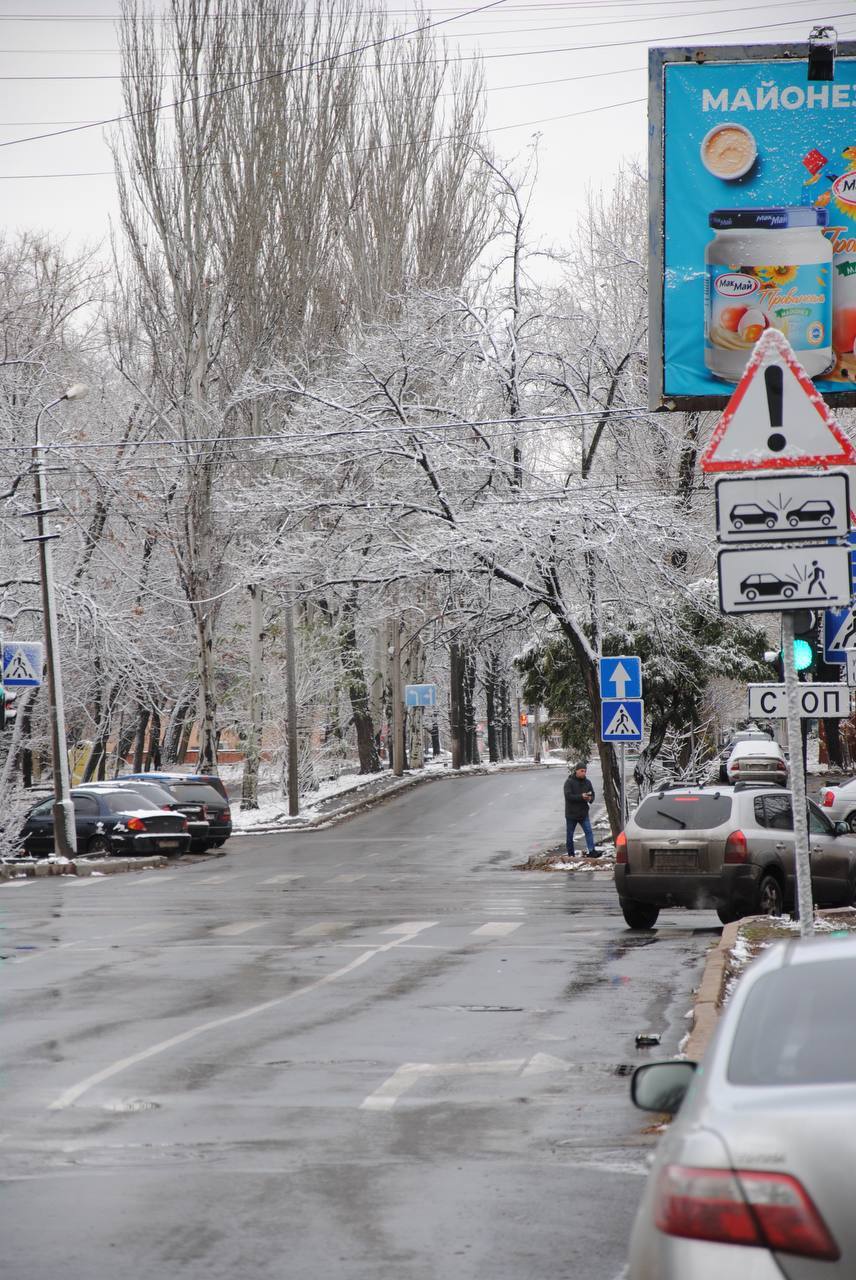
x=803 y=654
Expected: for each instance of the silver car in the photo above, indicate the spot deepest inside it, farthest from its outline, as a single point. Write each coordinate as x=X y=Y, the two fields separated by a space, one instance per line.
x=839 y=803
x=730 y=849
x=753 y=1178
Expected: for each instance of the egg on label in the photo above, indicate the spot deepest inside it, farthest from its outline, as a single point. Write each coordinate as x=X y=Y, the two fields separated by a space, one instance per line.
x=752 y=324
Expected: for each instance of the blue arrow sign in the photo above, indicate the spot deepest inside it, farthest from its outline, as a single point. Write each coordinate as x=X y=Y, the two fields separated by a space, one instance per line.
x=621 y=677
x=621 y=720
x=420 y=695
x=23 y=662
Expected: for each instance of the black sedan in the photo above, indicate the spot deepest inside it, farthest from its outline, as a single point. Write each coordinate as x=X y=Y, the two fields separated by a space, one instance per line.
x=106 y=822
x=197 y=821
x=204 y=791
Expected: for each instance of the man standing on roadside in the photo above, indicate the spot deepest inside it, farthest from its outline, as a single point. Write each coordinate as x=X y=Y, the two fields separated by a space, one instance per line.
x=579 y=794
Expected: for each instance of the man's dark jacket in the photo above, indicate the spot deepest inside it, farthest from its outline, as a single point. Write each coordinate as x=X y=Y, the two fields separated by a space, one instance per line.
x=575 y=805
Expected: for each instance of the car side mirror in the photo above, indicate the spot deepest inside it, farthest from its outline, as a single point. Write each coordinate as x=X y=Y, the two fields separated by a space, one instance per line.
x=841 y=829
x=661 y=1086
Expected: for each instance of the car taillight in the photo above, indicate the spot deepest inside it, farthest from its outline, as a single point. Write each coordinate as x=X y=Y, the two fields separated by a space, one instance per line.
x=203 y=813
x=135 y=824
x=745 y=1207
x=736 y=848
x=828 y=799
x=184 y=824
x=621 y=847
x=226 y=815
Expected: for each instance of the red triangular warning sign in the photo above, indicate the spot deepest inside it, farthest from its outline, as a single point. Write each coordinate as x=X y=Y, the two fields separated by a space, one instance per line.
x=776 y=418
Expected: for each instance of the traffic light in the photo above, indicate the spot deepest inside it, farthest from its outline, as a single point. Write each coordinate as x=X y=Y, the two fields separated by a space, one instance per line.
x=806 y=641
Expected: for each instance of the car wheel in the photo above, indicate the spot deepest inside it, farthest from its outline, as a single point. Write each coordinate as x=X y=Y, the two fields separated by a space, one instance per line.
x=769 y=900
x=727 y=915
x=793 y=521
x=751 y=594
x=825 y=521
x=98 y=846
x=771 y=523
x=737 y=524
x=639 y=915
x=787 y=592
x=851 y=821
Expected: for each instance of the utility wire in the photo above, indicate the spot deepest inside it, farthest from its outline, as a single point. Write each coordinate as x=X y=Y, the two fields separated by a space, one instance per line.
x=274 y=75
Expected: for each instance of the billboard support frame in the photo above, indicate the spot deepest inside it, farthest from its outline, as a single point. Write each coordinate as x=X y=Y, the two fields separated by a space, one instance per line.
x=658 y=58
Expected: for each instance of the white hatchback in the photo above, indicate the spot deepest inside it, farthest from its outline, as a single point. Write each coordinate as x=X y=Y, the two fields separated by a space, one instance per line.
x=839 y=803
x=756 y=761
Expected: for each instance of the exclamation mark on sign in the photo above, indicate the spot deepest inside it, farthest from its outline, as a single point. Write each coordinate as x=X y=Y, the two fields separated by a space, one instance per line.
x=775 y=395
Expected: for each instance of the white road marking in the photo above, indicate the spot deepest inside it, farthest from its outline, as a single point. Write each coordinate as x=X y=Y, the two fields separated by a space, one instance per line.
x=281 y=879
x=496 y=929
x=16 y=884
x=385 y=1097
x=347 y=879
x=323 y=928
x=154 y=880
x=233 y=930
x=146 y=928
x=69 y=1096
x=215 y=879
x=411 y=926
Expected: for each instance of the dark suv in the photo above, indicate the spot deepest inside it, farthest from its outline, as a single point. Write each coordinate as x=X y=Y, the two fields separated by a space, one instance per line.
x=726 y=848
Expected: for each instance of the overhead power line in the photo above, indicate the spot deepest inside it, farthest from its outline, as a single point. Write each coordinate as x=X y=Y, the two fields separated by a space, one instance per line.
x=274 y=75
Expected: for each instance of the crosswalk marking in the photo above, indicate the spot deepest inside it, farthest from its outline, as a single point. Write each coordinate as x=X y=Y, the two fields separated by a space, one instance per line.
x=282 y=879
x=154 y=880
x=496 y=929
x=322 y=928
x=411 y=926
x=146 y=928
x=233 y=930
x=219 y=879
x=347 y=879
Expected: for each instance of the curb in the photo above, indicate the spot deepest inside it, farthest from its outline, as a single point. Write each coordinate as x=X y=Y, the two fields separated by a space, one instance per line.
x=708 y=1000
x=97 y=866
x=360 y=806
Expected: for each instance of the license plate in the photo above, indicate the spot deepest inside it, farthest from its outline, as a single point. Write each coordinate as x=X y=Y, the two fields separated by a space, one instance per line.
x=672 y=860
x=168 y=844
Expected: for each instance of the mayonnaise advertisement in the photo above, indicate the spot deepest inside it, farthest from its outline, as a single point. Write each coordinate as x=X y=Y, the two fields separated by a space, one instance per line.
x=758 y=220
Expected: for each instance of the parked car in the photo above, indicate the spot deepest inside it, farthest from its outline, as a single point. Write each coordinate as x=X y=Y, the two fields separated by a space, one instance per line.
x=839 y=802
x=730 y=849
x=196 y=789
x=109 y=821
x=750 y=734
x=757 y=761
x=209 y=779
x=198 y=825
x=750 y=1178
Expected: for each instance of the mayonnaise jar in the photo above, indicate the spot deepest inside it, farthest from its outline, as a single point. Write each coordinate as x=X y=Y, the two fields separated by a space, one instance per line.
x=767 y=268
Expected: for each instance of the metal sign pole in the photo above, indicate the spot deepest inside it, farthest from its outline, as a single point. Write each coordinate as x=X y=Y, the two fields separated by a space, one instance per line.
x=805 y=908
x=622 y=799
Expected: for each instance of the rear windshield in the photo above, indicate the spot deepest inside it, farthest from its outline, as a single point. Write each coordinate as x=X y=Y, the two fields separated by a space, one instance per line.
x=126 y=801
x=196 y=793
x=798 y=1026
x=683 y=812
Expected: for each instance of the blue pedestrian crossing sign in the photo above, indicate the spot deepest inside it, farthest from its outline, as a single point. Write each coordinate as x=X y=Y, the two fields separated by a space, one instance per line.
x=620 y=677
x=23 y=662
x=839 y=633
x=621 y=719
x=420 y=695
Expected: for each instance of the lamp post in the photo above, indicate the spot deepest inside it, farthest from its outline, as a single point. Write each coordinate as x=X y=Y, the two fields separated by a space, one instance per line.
x=65 y=836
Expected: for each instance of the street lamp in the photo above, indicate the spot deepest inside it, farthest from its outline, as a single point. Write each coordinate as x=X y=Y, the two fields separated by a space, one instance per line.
x=65 y=836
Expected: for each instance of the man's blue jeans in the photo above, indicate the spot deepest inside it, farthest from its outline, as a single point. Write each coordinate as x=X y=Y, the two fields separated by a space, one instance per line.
x=572 y=823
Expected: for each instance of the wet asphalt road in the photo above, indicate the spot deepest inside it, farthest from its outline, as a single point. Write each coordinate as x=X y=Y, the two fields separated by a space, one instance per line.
x=370 y=1053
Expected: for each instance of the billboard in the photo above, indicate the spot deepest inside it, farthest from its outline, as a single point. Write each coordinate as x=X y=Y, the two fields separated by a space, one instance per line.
x=752 y=180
